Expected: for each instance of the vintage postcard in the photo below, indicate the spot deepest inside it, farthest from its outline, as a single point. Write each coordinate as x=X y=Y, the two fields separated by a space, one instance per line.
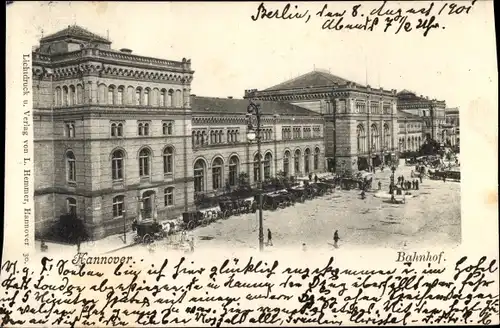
x=250 y=163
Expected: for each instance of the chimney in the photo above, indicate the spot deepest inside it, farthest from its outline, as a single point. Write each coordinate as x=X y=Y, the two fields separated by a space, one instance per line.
x=125 y=50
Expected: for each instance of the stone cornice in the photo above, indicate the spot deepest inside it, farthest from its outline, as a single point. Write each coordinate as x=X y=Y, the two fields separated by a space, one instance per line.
x=241 y=119
x=94 y=61
x=106 y=191
x=110 y=110
x=317 y=93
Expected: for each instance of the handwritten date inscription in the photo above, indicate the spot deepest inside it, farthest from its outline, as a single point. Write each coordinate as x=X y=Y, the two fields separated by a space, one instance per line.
x=384 y=16
x=180 y=292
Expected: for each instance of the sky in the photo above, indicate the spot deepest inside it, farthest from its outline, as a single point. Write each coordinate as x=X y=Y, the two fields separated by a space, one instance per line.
x=230 y=52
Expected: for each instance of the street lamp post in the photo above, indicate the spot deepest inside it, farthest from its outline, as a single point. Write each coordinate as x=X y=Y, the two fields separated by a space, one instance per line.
x=124 y=213
x=253 y=109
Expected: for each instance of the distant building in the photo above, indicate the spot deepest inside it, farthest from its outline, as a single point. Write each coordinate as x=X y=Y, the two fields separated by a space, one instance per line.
x=452 y=126
x=292 y=142
x=361 y=126
x=411 y=132
x=431 y=111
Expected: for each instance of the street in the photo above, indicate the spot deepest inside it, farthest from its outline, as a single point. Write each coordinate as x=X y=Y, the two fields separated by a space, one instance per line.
x=431 y=218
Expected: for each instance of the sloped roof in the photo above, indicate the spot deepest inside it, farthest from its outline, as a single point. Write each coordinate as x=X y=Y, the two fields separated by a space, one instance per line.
x=77 y=32
x=311 y=79
x=403 y=114
x=207 y=105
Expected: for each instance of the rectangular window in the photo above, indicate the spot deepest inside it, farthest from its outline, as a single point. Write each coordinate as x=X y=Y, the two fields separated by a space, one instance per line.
x=69 y=129
x=118 y=209
x=169 y=196
x=71 y=206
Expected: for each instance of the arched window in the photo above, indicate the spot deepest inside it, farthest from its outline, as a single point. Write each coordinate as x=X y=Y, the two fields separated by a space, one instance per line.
x=72 y=95
x=113 y=130
x=307 y=159
x=233 y=170
x=118 y=207
x=119 y=130
x=199 y=175
x=146 y=129
x=268 y=158
x=170 y=95
x=217 y=165
x=167 y=128
x=163 y=98
x=387 y=136
x=286 y=163
x=375 y=138
x=117 y=165
x=147 y=100
x=212 y=137
x=137 y=96
x=361 y=138
x=140 y=129
x=57 y=97
x=256 y=168
x=178 y=98
x=204 y=138
x=168 y=160
x=198 y=137
x=120 y=100
x=144 y=161
x=408 y=144
x=193 y=138
x=65 y=96
x=70 y=166
x=221 y=135
x=71 y=206
x=296 y=162
x=111 y=95
x=316 y=158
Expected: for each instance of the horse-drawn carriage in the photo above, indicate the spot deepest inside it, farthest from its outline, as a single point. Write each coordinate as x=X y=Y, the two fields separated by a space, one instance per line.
x=191 y=220
x=298 y=193
x=324 y=187
x=148 y=231
x=235 y=206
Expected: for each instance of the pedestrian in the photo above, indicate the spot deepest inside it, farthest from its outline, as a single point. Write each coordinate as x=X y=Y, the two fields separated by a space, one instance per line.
x=304 y=248
x=416 y=184
x=444 y=178
x=191 y=245
x=379 y=185
x=310 y=177
x=269 y=238
x=316 y=178
x=421 y=178
x=336 y=238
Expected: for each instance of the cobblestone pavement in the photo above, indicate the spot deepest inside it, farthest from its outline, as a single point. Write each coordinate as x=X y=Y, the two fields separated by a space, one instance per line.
x=431 y=218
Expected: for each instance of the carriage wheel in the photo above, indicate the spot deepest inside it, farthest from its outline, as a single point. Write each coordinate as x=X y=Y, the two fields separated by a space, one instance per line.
x=282 y=205
x=226 y=214
x=205 y=222
x=137 y=239
x=191 y=225
x=147 y=239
